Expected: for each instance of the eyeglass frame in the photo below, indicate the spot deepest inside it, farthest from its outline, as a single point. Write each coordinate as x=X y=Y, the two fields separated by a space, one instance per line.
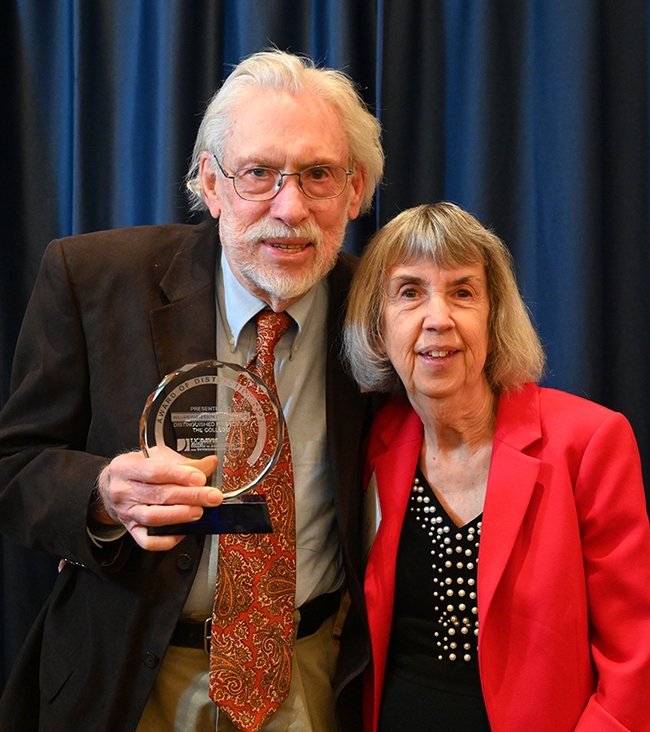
x=282 y=175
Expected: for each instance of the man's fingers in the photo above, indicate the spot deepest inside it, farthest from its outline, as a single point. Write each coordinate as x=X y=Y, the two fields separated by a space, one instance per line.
x=157 y=491
x=164 y=466
x=158 y=515
x=157 y=471
x=169 y=495
x=154 y=543
x=206 y=465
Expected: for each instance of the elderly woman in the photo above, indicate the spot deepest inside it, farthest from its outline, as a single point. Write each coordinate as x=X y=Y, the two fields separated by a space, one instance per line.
x=550 y=630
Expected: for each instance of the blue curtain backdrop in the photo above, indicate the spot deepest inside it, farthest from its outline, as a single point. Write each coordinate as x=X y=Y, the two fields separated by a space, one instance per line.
x=532 y=114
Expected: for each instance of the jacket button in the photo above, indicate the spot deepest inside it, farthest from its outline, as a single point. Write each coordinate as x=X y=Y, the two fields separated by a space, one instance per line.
x=184 y=561
x=150 y=660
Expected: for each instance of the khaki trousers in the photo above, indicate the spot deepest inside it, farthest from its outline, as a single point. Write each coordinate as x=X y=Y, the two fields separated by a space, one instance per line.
x=179 y=701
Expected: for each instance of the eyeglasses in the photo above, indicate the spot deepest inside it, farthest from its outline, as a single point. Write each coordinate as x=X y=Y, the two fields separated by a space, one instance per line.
x=259 y=183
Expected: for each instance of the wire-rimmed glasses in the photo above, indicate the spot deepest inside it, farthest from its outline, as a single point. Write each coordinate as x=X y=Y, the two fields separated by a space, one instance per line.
x=261 y=183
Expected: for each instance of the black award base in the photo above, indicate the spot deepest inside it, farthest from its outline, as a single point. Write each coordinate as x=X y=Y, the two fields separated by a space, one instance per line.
x=246 y=515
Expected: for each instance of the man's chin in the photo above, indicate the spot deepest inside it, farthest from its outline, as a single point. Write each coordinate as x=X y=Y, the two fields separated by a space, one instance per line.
x=288 y=287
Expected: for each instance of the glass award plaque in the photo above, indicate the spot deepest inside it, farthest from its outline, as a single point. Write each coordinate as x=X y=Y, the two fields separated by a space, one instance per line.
x=216 y=408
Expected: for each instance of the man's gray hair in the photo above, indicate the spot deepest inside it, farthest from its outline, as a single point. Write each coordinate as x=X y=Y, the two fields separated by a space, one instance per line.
x=279 y=70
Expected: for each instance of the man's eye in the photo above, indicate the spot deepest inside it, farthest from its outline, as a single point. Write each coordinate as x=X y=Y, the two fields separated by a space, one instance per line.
x=260 y=173
x=318 y=174
x=256 y=174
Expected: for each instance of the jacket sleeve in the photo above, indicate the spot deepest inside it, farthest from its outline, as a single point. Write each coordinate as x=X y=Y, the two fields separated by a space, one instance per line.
x=615 y=535
x=46 y=477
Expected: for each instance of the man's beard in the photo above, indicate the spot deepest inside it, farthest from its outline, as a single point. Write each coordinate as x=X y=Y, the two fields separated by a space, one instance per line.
x=240 y=245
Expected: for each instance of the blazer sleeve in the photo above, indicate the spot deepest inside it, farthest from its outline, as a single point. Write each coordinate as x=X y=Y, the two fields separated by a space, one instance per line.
x=46 y=476
x=611 y=506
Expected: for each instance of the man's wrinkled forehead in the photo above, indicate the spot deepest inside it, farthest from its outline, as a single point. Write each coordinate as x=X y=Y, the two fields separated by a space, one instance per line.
x=271 y=125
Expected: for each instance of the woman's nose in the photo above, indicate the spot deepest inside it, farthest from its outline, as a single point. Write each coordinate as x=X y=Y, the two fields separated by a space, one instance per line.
x=438 y=313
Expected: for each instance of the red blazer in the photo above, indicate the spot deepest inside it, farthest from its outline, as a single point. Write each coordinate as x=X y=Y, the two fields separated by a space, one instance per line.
x=564 y=570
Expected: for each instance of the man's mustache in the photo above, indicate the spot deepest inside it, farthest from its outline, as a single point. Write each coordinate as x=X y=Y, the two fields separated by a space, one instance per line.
x=275 y=230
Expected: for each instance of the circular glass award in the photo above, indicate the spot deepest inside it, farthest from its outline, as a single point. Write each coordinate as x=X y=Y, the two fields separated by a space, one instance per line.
x=216 y=408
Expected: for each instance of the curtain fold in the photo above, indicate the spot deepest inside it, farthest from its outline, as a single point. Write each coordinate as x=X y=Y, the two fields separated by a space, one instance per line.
x=532 y=114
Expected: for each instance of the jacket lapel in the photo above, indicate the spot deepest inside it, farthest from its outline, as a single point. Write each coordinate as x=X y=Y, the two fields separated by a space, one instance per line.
x=184 y=328
x=395 y=468
x=511 y=482
x=394 y=457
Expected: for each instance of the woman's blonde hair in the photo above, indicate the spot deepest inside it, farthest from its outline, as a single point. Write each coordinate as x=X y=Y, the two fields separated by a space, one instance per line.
x=448 y=237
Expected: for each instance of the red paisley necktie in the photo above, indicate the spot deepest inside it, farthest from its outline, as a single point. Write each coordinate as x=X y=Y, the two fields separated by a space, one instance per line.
x=252 y=622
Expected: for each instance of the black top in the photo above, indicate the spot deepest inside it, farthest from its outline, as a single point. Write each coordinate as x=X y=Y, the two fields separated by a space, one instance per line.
x=432 y=677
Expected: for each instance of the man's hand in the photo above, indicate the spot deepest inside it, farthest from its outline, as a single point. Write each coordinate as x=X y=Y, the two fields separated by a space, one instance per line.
x=166 y=488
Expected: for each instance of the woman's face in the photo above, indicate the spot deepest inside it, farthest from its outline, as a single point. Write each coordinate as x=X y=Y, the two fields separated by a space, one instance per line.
x=435 y=328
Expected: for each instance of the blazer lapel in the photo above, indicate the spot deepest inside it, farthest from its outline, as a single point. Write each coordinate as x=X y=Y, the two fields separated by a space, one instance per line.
x=395 y=468
x=393 y=455
x=184 y=329
x=511 y=482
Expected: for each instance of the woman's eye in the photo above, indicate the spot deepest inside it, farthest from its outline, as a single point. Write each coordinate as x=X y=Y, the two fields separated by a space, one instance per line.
x=409 y=292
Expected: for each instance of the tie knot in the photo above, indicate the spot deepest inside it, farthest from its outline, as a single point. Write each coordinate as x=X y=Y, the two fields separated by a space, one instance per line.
x=270 y=328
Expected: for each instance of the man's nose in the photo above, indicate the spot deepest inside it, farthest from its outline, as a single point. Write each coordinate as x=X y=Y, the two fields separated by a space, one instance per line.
x=290 y=205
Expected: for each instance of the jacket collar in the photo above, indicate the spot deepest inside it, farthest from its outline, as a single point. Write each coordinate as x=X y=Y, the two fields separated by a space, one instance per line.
x=193 y=266
x=184 y=329
x=518 y=418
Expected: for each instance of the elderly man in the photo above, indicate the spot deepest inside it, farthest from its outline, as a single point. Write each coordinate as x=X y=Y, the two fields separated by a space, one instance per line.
x=285 y=156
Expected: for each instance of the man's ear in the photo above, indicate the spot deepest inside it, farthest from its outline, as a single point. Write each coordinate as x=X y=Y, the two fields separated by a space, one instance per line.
x=209 y=183
x=358 y=185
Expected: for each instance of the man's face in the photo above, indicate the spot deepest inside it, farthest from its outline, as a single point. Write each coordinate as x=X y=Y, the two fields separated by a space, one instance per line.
x=279 y=249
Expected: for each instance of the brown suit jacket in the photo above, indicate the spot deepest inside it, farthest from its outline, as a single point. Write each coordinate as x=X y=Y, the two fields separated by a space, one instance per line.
x=111 y=314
